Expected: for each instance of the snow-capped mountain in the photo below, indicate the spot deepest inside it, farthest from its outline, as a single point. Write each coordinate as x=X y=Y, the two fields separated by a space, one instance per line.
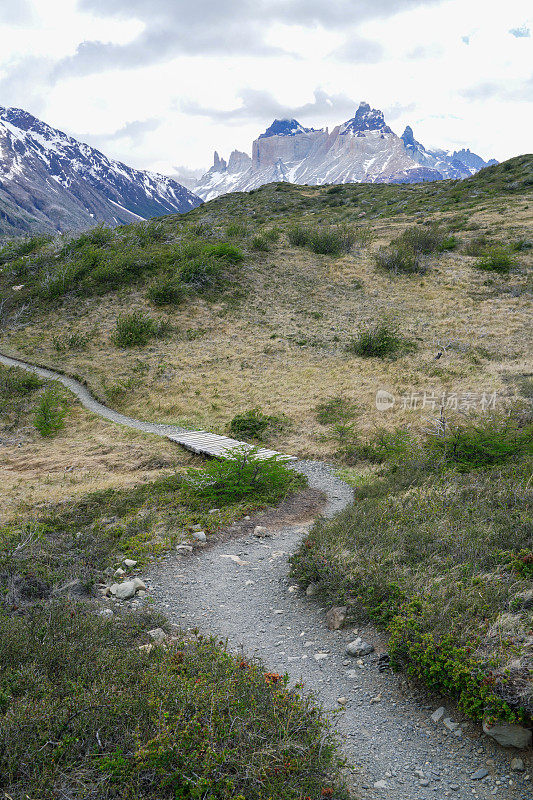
x=51 y=182
x=362 y=150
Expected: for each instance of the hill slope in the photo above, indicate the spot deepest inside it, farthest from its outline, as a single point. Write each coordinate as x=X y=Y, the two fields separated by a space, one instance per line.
x=50 y=182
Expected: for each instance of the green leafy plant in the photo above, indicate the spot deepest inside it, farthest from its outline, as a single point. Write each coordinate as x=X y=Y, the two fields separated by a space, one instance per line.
x=136 y=330
x=496 y=259
x=166 y=291
x=379 y=341
x=50 y=413
x=254 y=424
x=240 y=475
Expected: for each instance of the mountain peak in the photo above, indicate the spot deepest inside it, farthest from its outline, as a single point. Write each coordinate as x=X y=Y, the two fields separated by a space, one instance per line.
x=367 y=119
x=285 y=127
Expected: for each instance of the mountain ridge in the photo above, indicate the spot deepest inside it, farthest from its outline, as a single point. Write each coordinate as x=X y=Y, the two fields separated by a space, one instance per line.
x=51 y=182
x=364 y=149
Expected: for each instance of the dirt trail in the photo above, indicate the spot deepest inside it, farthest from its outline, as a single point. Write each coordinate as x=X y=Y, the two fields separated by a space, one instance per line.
x=239 y=590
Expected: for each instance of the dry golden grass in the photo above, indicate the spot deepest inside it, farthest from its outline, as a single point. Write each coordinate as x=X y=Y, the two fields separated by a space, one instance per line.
x=283 y=348
x=89 y=454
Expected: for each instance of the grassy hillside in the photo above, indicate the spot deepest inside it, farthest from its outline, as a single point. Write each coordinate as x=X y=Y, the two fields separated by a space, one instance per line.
x=236 y=310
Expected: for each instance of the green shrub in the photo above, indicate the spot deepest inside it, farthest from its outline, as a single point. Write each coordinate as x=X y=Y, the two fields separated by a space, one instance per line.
x=87 y=709
x=425 y=239
x=225 y=252
x=400 y=259
x=272 y=234
x=335 y=189
x=203 y=273
x=496 y=259
x=242 y=475
x=254 y=425
x=71 y=341
x=50 y=413
x=298 y=236
x=332 y=241
x=166 y=291
x=488 y=443
x=260 y=243
x=20 y=247
x=379 y=341
x=236 y=230
x=17 y=383
x=136 y=330
x=335 y=410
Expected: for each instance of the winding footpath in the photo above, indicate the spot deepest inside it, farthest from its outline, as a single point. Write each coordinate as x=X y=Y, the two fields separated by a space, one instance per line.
x=239 y=589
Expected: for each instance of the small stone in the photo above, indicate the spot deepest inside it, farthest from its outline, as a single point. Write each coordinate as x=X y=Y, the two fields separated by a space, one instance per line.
x=359 y=648
x=107 y=612
x=424 y=782
x=158 y=635
x=320 y=656
x=517 y=765
x=248 y=583
x=508 y=735
x=119 y=573
x=261 y=532
x=376 y=699
x=217 y=510
x=138 y=584
x=311 y=590
x=199 y=536
x=351 y=673
x=342 y=701
x=184 y=548
x=130 y=563
x=123 y=591
x=450 y=724
x=336 y=617
x=480 y=774
x=438 y=714
x=146 y=648
x=380 y=784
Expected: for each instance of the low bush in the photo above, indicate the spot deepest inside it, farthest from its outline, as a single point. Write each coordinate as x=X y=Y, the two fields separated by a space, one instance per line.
x=254 y=425
x=496 y=259
x=50 y=413
x=17 y=383
x=298 y=236
x=203 y=273
x=71 y=341
x=425 y=239
x=84 y=711
x=242 y=475
x=333 y=241
x=225 y=252
x=491 y=442
x=335 y=410
x=260 y=243
x=380 y=341
x=19 y=247
x=400 y=259
x=437 y=552
x=166 y=291
x=136 y=330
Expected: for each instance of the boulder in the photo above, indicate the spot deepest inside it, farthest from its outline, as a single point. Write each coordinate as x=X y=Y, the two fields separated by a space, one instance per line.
x=261 y=532
x=158 y=635
x=123 y=591
x=130 y=563
x=336 y=617
x=359 y=648
x=508 y=735
x=199 y=536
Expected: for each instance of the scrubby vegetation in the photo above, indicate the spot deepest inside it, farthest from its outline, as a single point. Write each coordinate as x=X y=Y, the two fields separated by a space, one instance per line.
x=254 y=425
x=50 y=413
x=379 y=341
x=136 y=330
x=87 y=707
x=437 y=548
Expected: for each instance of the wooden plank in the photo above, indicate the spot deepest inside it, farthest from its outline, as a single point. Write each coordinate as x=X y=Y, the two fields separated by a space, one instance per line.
x=212 y=444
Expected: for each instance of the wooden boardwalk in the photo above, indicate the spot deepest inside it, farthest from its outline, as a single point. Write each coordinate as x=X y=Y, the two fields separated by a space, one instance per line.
x=211 y=444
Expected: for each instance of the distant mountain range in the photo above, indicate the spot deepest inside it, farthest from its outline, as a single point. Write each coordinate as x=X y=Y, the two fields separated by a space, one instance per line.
x=363 y=149
x=51 y=182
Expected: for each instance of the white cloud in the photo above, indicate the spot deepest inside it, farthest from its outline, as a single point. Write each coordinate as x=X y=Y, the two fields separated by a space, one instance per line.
x=451 y=69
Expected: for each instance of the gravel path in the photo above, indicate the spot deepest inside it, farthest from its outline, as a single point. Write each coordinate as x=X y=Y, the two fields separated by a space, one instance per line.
x=240 y=590
x=394 y=749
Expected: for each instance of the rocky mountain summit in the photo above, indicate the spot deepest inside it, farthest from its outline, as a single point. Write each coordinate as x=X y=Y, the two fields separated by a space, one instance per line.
x=51 y=182
x=363 y=149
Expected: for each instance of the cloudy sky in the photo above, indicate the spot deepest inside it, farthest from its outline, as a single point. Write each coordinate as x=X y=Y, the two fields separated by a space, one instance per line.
x=160 y=84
